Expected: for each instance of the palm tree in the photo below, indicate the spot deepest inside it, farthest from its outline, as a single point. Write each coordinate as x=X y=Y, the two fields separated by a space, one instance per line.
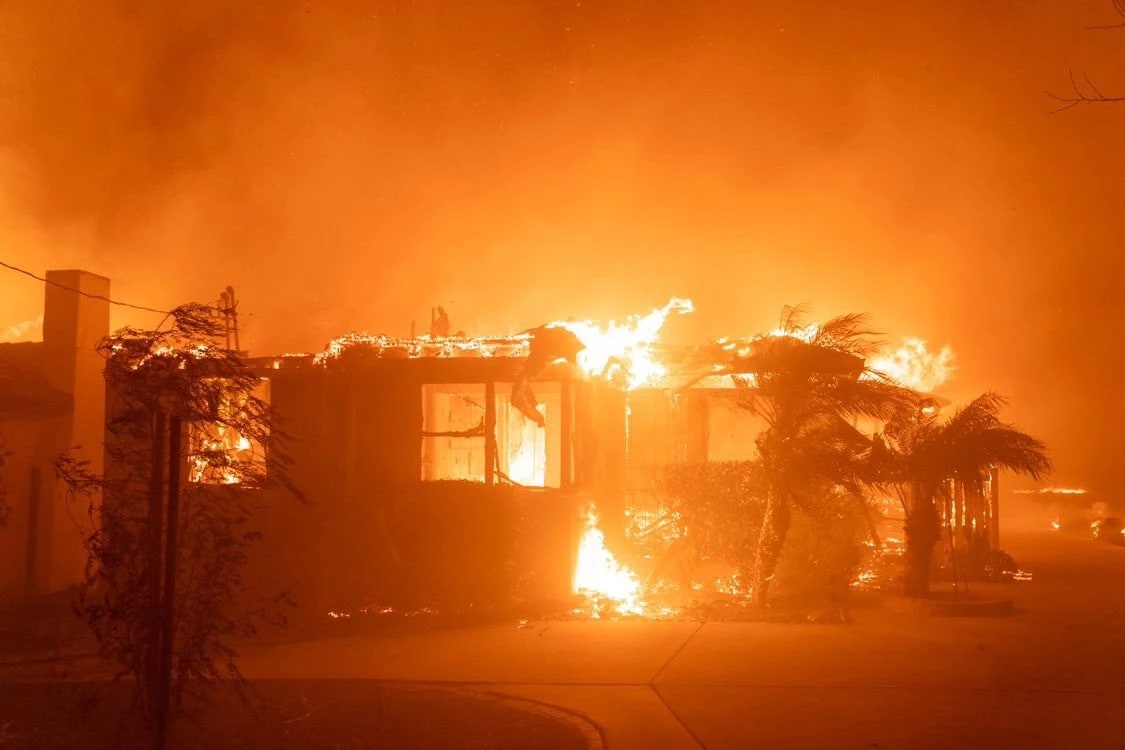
x=926 y=452
x=808 y=384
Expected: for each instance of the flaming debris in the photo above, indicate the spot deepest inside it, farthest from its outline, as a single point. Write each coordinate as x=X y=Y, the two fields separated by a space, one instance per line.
x=622 y=352
x=1052 y=491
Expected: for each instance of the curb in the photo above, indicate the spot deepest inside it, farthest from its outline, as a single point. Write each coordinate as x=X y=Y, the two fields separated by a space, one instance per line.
x=950 y=607
x=589 y=730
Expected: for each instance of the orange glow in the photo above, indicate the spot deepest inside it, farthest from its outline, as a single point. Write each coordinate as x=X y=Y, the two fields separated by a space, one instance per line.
x=599 y=577
x=914 y=366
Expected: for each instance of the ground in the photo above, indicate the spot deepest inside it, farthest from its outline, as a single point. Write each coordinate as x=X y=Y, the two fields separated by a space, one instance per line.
x=1050 y=676
x=291 y=715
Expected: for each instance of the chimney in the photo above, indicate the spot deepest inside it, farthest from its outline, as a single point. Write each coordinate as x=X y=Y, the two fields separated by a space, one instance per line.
x=75 y=319
x=73 y=324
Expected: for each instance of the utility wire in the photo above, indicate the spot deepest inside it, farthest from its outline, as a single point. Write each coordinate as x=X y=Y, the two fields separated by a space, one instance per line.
x=79 y=291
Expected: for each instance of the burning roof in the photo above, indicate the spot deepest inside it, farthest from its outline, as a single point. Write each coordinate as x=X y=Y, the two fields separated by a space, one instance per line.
x=630 y=355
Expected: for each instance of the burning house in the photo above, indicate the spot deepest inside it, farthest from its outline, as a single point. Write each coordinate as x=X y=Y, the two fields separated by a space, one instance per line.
x=430 y=463
x=473 y=450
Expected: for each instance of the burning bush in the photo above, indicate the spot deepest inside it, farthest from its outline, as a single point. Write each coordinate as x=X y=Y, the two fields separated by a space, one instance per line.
x=718 y=509
x=822 y=554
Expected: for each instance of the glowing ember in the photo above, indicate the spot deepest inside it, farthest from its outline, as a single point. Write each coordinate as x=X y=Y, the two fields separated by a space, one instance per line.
x=914 y=366
x=426 y=346
x=1052 y=491
x=623 y=351
x=599 y=577
x=865 y=578
x=1056 y=525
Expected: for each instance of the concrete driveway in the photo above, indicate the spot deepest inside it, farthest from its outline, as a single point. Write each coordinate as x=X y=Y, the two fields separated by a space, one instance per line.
x=1050 y=676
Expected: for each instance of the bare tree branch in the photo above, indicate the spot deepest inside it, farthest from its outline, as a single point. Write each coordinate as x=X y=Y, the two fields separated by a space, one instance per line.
x=1119 y=6
x=1090 y=94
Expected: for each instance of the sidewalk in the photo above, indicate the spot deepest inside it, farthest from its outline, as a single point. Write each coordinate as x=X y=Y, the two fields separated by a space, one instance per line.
x=605 y=671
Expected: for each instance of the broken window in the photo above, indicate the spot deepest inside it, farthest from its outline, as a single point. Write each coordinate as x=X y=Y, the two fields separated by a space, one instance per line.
x=454 y=443
x=528 y=454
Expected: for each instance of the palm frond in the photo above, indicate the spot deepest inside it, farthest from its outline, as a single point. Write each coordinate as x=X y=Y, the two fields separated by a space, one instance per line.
x=848 y=333
x=793 y=317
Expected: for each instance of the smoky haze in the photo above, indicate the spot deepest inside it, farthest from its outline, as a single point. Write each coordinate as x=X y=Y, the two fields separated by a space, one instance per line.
x=345 y=165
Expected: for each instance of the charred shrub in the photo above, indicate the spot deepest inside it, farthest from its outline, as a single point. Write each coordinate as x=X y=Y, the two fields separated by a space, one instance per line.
x=822 y=555
x=717 y=509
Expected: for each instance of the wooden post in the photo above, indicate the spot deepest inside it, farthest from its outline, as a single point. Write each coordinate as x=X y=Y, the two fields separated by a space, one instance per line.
x=168 y=603
x=155 y=540
x=566 y=437
x=994 y=509
x=29 y=588
x=958 y=512
x=489 y=433
x=351 y=405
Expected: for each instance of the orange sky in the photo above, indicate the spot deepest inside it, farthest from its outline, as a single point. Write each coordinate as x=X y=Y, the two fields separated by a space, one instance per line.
x=347 y=164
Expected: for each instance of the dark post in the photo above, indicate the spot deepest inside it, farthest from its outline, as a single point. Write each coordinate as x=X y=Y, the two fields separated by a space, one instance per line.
x=32 y=533
x=566 y=439
x=155 y=540
x=168 y=611
x=994 y=508
x=489 y=433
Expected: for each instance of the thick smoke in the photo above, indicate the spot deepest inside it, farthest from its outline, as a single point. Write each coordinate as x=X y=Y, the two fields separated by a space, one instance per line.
x=349 y=164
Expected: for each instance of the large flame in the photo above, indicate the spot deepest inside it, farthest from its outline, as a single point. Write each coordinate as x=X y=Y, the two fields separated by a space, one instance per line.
x=914 y=366
x=598 y=576
x=622 y=352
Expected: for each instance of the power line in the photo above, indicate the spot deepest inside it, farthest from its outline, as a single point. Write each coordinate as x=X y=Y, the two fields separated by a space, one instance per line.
x=79 y=291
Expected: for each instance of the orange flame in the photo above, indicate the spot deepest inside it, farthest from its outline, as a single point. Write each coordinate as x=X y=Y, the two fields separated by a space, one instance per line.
x=914 y=366
x=599 y=577
x=623 y=351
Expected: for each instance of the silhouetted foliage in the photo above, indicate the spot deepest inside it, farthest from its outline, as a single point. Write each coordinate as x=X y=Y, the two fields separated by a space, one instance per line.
x=809 y=384
x=233 y=447
x=925 y=453
x=717 y=507
x=822 y=554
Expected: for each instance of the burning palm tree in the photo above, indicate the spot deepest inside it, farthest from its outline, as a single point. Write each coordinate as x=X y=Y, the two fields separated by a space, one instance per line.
x=926 y=452
x=810 y=385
